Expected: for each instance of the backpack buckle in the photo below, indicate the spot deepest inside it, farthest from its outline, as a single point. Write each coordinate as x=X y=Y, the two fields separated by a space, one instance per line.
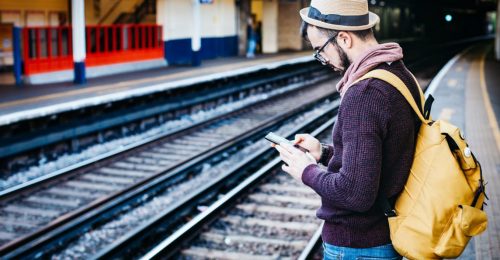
x=391 y=213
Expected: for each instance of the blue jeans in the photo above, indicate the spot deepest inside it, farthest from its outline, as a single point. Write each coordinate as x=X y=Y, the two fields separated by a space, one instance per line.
x=251 y=48
x=332 y=252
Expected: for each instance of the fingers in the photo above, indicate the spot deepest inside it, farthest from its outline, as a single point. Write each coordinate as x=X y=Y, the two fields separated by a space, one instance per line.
x=288 y=147
x=284 y=153
x=285 y=168
x=311 y=158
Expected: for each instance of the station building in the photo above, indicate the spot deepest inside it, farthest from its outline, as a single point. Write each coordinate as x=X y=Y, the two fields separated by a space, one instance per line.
x=65 y=40
x=125 y=35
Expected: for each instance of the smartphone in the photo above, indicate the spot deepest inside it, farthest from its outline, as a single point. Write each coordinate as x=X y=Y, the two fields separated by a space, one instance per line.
x=276 y=139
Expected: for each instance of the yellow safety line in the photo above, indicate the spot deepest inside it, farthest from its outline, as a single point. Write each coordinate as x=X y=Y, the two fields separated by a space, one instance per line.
x=487 y=102
x=109 y=88
x=101 y=89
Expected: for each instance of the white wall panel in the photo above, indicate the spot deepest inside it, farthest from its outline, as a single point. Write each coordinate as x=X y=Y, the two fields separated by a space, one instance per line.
x=36 y=18
x=210 y=19
x=227 y=23
x=219 y=19
x=11 y=17
x=270 y=27
x=176 y=16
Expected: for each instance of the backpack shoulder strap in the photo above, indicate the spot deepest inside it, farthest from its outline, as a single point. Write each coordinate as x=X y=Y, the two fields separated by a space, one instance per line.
x=396 y=82
x=421 y=93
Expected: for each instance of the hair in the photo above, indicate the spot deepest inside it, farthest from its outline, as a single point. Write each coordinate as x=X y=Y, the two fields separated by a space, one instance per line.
x=363 y=34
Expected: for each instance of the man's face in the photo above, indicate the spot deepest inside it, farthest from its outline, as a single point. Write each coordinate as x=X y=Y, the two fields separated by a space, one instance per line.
x=334 y=55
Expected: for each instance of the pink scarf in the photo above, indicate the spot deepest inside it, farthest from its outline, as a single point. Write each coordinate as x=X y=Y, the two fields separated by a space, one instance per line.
x=371 y=58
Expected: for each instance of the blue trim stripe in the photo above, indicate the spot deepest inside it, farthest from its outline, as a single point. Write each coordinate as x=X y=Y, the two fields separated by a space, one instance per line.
x=79 y=68
x=179 y=51
x=196 y=59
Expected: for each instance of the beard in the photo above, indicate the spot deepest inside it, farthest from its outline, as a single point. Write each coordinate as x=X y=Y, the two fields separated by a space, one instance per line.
x=344 y=61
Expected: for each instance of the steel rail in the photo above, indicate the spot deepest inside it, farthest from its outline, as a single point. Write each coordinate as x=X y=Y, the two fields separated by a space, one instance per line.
x=168 y=247
x=193 y=198
x=29 y=141
x=29 y=185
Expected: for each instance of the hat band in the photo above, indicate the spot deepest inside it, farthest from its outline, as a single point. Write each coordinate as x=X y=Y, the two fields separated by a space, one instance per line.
x=348 y=20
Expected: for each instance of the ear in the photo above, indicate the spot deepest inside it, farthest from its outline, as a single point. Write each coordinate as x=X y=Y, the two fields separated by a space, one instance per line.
x=344 y=39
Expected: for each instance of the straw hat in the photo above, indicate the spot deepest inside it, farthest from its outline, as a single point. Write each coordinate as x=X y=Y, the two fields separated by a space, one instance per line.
x=342 y=15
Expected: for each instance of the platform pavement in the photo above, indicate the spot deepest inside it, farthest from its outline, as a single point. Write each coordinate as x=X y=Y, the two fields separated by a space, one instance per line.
x=467 y=96
x=14 y=99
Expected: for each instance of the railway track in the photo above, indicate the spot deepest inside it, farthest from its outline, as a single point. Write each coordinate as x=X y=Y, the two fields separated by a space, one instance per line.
x=219 y=179
x=276 y=220
x=32 y=217
x=29 y=214
x=27 y=143
x=268 y=216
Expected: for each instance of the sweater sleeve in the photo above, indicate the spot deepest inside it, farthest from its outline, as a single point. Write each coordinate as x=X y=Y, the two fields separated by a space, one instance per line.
x=364 y=114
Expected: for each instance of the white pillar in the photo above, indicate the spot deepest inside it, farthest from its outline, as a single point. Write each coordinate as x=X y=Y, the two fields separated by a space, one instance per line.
x=497 y=34
x=78 y=39
x=162 y=19
x=196 y=38
x=270 y=26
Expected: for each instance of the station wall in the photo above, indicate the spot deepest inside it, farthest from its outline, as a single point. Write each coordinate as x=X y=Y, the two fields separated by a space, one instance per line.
x=280 y=24
x=49 y=12
x=107 y=11
x=270 y=26
x=34 y=13
x=27 y=13
x=256 y=8
x=289 y=21
x=218 y=29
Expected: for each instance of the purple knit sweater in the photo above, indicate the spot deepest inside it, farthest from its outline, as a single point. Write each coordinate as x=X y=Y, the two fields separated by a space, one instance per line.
x=372 y=152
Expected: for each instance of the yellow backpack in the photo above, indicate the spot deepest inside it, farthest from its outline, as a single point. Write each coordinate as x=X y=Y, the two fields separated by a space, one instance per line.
x=440 y=207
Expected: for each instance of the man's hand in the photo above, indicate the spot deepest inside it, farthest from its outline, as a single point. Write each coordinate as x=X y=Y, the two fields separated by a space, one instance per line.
x=296 y=159
x=310 y=143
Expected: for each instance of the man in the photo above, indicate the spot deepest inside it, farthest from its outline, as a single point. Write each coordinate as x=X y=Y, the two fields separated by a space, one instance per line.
x=251 y=37
x=373 y=139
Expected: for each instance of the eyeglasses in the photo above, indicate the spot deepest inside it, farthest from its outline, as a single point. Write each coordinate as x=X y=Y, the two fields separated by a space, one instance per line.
x=317 y=54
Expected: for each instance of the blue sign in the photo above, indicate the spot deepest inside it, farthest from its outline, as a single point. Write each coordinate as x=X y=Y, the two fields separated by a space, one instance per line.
x=206 y=1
